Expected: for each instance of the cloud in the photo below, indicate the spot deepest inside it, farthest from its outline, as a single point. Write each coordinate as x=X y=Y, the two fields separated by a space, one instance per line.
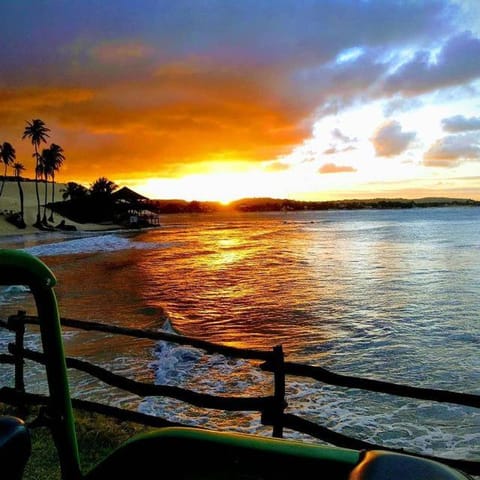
x=389 y=140
x=456 y=63
x=336 y=84
x=459 y=123
x=278 y=166
x=337 y=134
x=330 y=151
x=453 y=150
x=121 y=52
x=333 y=150
x=188 y=114
x=159 y=88
x=333 y=168
x=37 y=99
x=401 y=105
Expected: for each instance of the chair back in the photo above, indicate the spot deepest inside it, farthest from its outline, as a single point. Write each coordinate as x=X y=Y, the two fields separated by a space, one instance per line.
x=20 y=268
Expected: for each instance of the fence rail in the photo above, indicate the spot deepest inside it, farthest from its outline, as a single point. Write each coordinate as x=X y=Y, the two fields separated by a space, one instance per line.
x=271 y=408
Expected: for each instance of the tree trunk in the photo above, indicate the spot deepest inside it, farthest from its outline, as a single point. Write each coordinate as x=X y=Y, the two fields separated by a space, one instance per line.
x=20 y=193
x=38 y=222
x=44 y=218
x=3 y=180
x=50 y=218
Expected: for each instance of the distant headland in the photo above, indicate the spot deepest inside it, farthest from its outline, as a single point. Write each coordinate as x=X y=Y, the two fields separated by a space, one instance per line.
x=278 y=205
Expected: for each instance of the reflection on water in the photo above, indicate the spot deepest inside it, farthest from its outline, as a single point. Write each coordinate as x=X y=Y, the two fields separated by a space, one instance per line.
x=259 y=294
x=385 y=294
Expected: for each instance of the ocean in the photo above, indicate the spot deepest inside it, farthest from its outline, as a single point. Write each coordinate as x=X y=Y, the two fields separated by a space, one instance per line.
x=385 y=294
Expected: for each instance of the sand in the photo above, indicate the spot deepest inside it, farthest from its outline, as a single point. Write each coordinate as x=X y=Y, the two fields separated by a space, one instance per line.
x=10 y=201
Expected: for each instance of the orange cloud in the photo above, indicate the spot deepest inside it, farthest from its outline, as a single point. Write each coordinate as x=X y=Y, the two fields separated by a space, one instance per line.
x=332 y=168
x=175 y=122
x=120 y=52
x=30 y=100
x=278 y=166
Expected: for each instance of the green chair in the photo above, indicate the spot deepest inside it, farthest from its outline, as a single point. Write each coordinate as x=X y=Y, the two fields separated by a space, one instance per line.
x=185 y=453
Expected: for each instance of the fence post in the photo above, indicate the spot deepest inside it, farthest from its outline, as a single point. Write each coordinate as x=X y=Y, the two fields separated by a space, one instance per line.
x=279 y=390
x=17 y=324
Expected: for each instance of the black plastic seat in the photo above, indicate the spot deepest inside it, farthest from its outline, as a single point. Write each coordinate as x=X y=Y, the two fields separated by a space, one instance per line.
x=383 y=465
x=15 y=447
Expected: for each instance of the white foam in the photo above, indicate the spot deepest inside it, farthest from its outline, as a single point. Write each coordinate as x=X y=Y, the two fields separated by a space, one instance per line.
x=12 y=293
x=91 y=244
x=192 y=369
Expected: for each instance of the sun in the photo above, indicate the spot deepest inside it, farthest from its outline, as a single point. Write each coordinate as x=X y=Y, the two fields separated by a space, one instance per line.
x=216 y=187
x=225 y=186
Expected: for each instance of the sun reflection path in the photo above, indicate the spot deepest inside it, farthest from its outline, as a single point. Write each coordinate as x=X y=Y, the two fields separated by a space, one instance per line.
x=242 y=281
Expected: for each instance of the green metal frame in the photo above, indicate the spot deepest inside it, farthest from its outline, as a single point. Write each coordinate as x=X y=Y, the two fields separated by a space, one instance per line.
x=20 y=268
x=190 y=452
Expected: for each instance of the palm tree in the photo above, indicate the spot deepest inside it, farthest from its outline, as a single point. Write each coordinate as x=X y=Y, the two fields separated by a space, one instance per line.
x=103 y=187
x=18 y=168
x=42 y=171
x=37 y=131
x=7 y=154
x=55 y=161
x=101 y=197
x=74 y=191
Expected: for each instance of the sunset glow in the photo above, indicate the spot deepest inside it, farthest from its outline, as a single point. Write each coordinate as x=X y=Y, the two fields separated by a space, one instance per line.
x=301 y=100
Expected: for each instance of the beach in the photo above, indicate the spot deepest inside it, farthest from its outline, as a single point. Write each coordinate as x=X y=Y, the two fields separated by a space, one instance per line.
x=10 y=202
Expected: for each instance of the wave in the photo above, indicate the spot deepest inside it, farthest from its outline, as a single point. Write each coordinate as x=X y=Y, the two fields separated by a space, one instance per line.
x=12 y=293
x=92 y=244
x=191 y=368
x=168 y=327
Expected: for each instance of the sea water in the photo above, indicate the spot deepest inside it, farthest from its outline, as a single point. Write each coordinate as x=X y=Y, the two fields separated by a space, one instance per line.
x=385 y=294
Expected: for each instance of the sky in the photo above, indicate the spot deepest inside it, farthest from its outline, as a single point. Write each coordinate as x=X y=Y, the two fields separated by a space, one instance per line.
x=219 y=100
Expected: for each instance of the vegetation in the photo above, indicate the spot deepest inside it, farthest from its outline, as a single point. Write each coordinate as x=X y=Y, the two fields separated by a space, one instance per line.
x=52 y=159
x=7 y=154
x=103 y=203
x=97 y=437
x=94 y=204
x=37 y=132
x=47 y=163
x=270 y=204
x=74 y=191
x=18 y=168
x=286 y=205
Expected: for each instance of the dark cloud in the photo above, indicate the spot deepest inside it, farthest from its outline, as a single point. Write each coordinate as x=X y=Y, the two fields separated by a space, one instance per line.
x=389 y=140
x=156 y=86
x=258 y=30
x=456 y=63
x=452 y=150
x=333 y=168
x=335 y=85
x=459 y=123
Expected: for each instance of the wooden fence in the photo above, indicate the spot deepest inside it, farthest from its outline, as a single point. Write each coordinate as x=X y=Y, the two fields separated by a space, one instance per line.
x=270 y=408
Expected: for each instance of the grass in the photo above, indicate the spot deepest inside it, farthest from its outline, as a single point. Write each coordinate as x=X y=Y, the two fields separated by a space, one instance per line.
x=97 y=436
